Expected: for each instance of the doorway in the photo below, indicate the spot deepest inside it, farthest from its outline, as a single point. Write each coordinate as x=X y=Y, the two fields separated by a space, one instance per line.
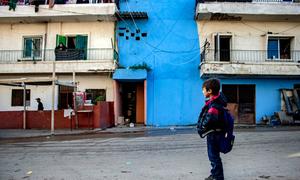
x=65 y=97
x=222 y=47
x=241 y=102
x=132 y=98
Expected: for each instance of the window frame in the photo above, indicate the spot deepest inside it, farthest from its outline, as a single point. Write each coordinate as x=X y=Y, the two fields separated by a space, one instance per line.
x=216 y=38
x=91 y=93
x=27 y=99
x=278 y=37
x=40 y=37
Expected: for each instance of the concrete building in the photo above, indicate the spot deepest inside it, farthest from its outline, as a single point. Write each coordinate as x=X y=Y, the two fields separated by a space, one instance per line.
x=29 y=35
x=161 y=36
x=254 y=47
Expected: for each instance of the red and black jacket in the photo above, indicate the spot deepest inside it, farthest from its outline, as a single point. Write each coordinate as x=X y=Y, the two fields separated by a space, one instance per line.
x=210 y=118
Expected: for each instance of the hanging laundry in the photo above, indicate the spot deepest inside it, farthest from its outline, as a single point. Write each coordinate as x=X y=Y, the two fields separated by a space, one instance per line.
x=12 y=4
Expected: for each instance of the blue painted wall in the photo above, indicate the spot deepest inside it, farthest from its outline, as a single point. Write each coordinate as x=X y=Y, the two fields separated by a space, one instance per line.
x=267 y=93
x=172 y=50
x=174 y=95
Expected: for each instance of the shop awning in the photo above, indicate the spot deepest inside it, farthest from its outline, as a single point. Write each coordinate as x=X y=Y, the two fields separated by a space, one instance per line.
x=129 y=75
x=38 y=81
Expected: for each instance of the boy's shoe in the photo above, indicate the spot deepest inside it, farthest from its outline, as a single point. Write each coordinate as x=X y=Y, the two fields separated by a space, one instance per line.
x=210 y=178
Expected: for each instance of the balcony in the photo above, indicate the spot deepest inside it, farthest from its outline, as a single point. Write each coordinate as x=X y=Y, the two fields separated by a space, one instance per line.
x=40 y=61
x=247 y=63
x=255 y=1
x=256 y=10
x=62 y=10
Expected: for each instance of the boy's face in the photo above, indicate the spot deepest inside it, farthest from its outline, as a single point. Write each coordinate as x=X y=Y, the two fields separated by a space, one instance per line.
x=206 y=93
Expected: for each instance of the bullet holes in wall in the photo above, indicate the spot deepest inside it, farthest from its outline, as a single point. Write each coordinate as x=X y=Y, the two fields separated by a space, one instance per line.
x=136 y=33
x=144 y=34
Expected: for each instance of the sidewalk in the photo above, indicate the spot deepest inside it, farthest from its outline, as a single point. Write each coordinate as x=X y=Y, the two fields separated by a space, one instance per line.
x=28 y=133
x=146 y=130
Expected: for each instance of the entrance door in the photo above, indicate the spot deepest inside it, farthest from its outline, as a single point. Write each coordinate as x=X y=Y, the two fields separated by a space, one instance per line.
x=241 y=102
x=132 y=95
x=65 y=97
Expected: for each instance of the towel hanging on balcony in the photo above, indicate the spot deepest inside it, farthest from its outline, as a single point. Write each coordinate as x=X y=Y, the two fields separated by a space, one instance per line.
x=12 y=4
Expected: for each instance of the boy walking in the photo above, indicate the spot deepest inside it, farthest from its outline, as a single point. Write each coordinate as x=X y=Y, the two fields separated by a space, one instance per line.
x=211 y=125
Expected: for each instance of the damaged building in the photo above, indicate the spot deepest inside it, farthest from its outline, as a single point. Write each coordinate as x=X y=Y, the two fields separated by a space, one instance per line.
x=254 y=48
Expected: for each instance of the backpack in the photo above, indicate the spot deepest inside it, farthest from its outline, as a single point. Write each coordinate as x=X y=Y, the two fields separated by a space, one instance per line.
x=227 y=139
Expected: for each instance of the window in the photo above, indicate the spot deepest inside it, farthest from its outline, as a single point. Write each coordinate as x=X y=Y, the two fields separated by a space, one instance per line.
x=72 y=42
x=95 y=95
x=32 y=47
x=279 y=48
x=17 y=97
x=76 y=47
x=222 y=47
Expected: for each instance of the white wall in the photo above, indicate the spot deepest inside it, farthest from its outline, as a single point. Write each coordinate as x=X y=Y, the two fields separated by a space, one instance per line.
x=95 y=81
x=85 y=81
x=12 y=34
x=248 y=35
x=43 y=92
x=99 y=33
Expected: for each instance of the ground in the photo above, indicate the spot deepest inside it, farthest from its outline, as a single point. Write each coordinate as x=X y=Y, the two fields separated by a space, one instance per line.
x=159 y=155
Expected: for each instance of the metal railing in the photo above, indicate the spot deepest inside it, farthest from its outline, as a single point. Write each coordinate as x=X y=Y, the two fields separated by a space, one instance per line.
x=43 y=2
x=14 y=56
x=249 y=56
x=259 y=1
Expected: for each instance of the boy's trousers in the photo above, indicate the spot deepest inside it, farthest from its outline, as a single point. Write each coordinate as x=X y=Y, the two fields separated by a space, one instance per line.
x=213 y=150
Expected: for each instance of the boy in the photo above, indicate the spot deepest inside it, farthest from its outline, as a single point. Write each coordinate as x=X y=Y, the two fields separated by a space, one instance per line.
x=211 y=125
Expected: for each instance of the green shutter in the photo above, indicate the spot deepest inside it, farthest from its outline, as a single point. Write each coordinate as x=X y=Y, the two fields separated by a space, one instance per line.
x=60 y=39
x=81 y=44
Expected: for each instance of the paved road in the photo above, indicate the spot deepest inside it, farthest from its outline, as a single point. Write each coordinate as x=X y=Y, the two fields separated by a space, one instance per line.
x=159 y=156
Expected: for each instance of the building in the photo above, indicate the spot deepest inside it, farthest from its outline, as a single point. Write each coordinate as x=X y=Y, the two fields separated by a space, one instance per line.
x=166 y=49
x=29 y=37
x=161 y=36
x=254 y=47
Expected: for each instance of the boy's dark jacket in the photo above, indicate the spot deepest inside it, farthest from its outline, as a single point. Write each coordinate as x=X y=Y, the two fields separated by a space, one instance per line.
x=210 y=118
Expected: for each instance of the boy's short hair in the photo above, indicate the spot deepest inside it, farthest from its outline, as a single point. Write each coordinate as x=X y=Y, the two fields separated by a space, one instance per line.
x=213 y=84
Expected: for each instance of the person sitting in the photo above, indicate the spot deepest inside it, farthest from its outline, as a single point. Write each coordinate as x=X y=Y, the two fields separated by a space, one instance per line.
x=82 y=2
x=61 y=47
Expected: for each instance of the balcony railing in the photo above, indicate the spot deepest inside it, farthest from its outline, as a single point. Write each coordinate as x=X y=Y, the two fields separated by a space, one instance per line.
x=258 y=1
x=41 y=2
x=249 y=56
x=14 y=56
